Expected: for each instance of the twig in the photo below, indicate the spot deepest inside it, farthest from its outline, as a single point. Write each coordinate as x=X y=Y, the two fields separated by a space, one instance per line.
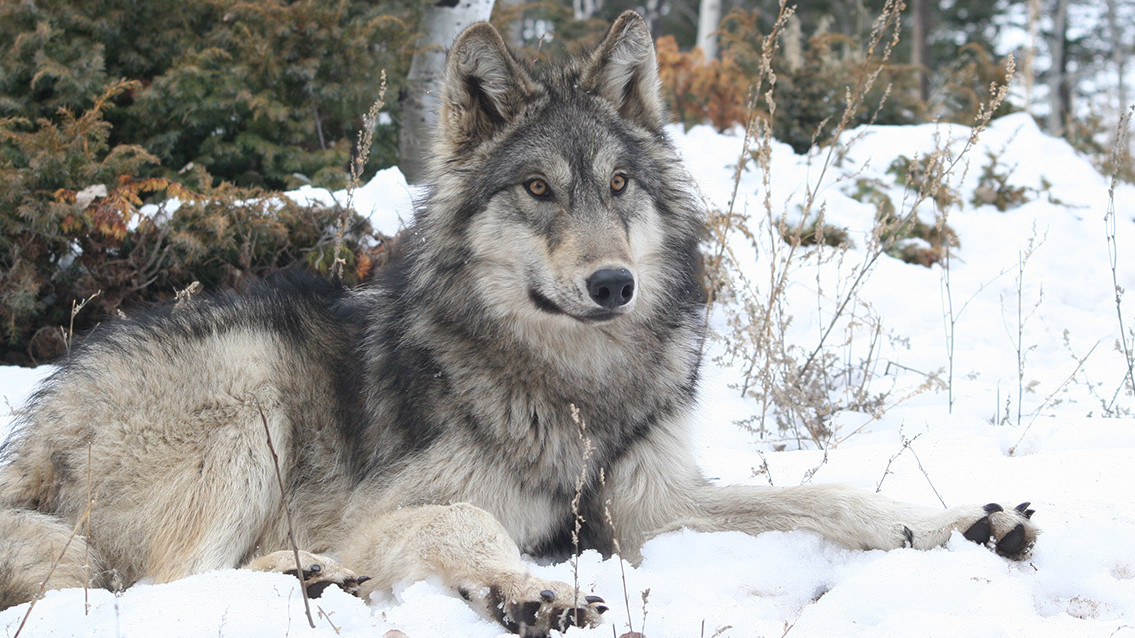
x=1113 y=251
x=1036 y=414
x=928 y=481
x=577 y=498
x=287 y=512
x=75 y=309
x=327 y=617
x=43 y=586
x=619 y=555
x=357 y=165
x=887 y=470
x=87 y=545
x=907 y=444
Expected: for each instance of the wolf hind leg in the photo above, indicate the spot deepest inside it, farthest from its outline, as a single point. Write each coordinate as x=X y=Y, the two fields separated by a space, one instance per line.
x=40 y=552
x=472 y=552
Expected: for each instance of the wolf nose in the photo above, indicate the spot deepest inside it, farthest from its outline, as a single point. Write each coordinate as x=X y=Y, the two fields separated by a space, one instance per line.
x=611 y=287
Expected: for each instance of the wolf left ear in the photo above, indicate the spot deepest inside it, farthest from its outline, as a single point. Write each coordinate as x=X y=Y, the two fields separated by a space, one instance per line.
x=483 y=87
x=624 y=70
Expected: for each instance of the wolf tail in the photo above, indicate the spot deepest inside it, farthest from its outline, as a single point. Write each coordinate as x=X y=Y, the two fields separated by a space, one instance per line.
x=40 y=552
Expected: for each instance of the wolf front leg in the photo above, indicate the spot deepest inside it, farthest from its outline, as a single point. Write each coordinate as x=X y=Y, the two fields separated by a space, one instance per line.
x=657 y=488
x=472 y=552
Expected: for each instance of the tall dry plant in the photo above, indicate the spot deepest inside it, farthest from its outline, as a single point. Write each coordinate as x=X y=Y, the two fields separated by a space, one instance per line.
x=800 y=385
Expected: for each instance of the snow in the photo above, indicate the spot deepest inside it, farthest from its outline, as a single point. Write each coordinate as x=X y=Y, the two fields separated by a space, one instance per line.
x=1049 y=256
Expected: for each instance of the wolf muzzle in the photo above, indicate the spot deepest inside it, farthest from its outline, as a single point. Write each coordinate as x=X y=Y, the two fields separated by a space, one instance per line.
x=611 y=287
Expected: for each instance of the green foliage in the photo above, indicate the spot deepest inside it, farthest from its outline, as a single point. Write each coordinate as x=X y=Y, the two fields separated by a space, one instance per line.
x=814 y=232
x=814 y=78
x=924 y=175
x=263 y=93
x=965 y=81
x=73 y=227
x=994 y=188
x=905 y=236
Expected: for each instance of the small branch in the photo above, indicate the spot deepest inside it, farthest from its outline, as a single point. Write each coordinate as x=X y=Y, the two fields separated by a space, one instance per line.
x=287 y=513
x=1113 y=250
x=907 y=445
x=575 y=501
x=1048 y=399
x=43 y=586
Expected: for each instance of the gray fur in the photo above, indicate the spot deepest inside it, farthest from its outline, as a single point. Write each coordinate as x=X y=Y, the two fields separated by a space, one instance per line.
x=435 y=422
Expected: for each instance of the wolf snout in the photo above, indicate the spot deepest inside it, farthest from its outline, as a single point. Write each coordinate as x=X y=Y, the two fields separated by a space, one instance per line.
x=611 y=287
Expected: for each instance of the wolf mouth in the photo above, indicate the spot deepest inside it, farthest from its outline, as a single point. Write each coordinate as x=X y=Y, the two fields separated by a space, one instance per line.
x=543 y=303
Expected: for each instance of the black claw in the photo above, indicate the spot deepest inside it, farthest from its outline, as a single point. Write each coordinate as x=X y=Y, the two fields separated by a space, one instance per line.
x=1012 y=543
x=548 y=596
x=1028 y=514
x=1023 y=510
x=591 y=600
x=602 y=609
x=315 y=590
x=994 y=507
x=909 y=536
x=980 y=532
x=361 y=579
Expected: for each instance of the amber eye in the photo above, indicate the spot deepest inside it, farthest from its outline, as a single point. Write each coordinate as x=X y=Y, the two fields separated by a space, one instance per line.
x=618 y=183
x=538 y=188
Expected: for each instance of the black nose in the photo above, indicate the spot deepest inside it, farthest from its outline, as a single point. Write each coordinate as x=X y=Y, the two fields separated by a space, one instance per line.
x=611 y=287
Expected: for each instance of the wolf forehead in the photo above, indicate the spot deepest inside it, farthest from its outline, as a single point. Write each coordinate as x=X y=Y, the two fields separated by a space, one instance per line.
x=570 y=138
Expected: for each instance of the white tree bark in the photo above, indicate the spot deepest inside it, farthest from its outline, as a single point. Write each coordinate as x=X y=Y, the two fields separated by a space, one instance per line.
x=1118 y=53
x=1057 y=75
x=709 y=19
x=584 y=9
x=441 y=22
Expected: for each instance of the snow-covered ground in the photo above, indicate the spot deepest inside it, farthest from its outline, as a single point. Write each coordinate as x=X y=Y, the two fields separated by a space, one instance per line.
x=1075 y=465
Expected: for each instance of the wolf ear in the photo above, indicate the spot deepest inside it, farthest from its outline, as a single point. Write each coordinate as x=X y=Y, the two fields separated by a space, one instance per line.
x=483 y=87
x=624 y=70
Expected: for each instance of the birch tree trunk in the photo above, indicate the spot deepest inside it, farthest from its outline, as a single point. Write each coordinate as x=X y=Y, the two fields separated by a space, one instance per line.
x=1118 y=54
x=1058 y=92
x=709 y=19
x=919 y=45
x=441 y=22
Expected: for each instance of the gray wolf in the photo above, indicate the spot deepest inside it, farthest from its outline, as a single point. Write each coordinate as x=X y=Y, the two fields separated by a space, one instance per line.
x=543 y=332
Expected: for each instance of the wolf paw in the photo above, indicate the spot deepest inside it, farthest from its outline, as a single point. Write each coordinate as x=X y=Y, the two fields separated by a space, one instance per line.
x=540 y=608
x=1010 y=532
x=319 y=572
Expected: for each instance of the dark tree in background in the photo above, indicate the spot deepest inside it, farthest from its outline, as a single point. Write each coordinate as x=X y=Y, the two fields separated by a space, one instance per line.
x=266 y=93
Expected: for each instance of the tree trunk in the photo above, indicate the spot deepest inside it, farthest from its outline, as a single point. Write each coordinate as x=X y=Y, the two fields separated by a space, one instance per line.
x=584 y=9
x=1118 y=55
x=709 y=19
x=441 y=22
x=919 y=46
x=1059 y=94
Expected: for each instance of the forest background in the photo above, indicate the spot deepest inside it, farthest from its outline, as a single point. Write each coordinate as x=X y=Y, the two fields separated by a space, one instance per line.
x=220 y=105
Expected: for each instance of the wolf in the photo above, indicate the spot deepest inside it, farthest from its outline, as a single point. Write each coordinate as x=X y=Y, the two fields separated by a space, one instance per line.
x=522 y=381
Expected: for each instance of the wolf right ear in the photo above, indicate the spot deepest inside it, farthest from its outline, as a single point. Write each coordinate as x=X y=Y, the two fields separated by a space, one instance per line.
x=483 y=87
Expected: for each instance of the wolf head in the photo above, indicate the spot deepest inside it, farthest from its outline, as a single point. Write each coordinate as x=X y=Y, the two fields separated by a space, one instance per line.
x=557 y=195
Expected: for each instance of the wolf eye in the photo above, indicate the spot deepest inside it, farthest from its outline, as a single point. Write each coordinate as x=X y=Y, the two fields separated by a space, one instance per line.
x=537 y=188
x=618 y=183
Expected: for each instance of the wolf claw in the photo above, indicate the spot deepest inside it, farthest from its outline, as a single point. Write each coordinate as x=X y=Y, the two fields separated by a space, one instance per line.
x=551 y=612
x=1009 y=532
x=321 y=571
